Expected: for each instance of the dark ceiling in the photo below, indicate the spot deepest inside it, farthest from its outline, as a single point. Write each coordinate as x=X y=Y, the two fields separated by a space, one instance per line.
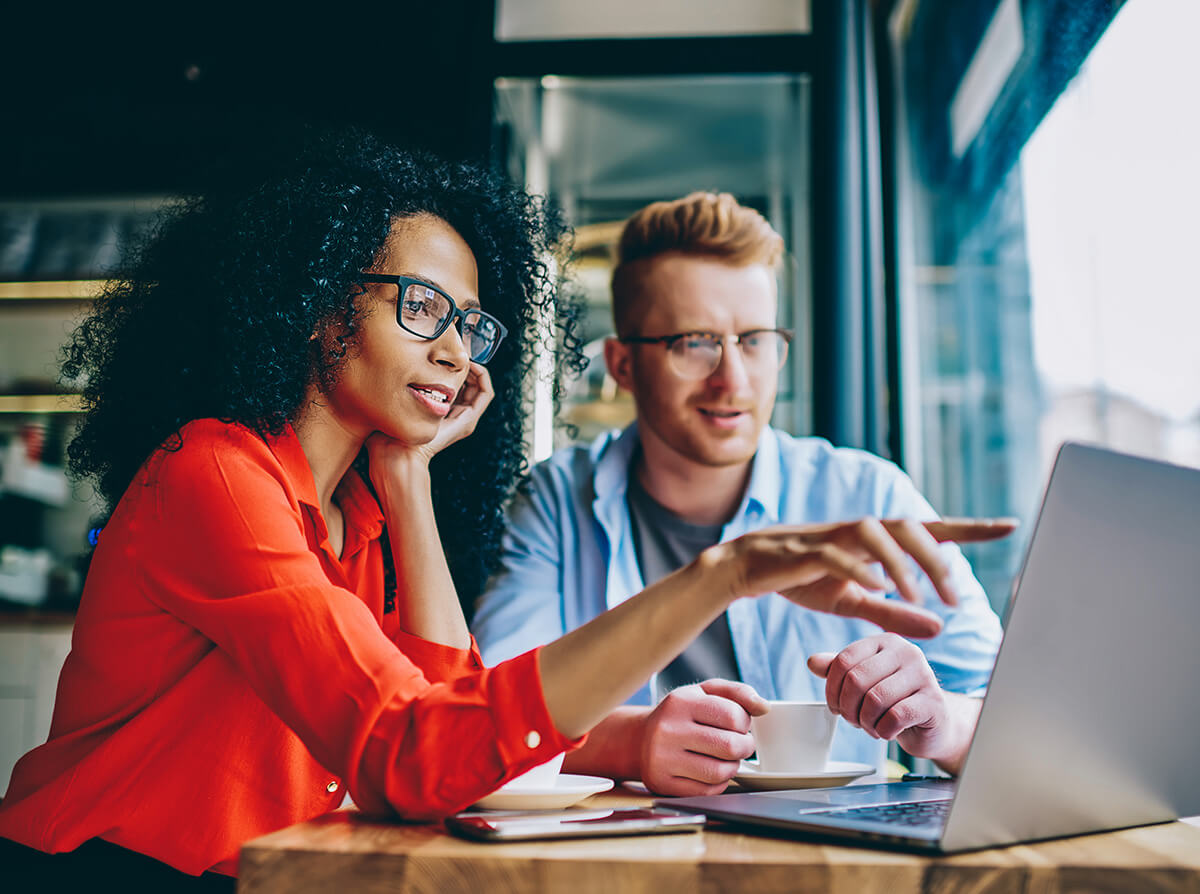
x=107 y=100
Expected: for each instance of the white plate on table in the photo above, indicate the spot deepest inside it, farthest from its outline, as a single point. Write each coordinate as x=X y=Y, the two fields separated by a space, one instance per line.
x=568 y=789
x=750 y=776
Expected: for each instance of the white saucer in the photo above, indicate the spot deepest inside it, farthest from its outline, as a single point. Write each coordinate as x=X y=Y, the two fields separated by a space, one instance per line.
x=567 y=790
x=835 y=773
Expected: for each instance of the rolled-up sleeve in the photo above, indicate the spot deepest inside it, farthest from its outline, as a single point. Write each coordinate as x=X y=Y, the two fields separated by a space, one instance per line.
x=414 y=727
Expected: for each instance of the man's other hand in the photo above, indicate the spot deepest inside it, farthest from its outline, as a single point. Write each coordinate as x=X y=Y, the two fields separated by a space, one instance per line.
x=884 y=686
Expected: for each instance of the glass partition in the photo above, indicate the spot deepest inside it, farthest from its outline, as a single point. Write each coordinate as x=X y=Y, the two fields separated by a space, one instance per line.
x=603 y=147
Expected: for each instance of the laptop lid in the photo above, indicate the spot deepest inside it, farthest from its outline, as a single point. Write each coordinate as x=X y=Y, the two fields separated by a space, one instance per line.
x=1093 y=712
x=1092 y=715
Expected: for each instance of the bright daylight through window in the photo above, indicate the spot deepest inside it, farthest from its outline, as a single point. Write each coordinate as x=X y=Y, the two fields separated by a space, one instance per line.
x=1111 y=186
x=1047 y=186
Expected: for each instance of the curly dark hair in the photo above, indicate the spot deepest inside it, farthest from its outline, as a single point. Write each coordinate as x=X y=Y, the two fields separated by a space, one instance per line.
x=214 y=313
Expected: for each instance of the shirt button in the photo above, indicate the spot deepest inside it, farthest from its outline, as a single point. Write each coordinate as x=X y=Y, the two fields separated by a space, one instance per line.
x=332 y=787
x=533 y=738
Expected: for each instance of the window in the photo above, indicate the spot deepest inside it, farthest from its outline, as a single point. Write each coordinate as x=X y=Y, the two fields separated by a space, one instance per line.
x=1048 y=194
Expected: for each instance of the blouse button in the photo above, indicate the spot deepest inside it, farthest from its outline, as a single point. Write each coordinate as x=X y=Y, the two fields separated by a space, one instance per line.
x=533 y=738
x=332 y=787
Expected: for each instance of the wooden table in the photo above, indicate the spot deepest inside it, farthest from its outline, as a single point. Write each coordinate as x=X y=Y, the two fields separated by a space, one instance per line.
x=344 y=852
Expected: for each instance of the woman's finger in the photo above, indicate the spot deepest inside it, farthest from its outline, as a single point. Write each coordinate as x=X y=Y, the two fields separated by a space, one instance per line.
x=475 y=395
x=878 y=540
x=846 y=566
x=483 y=381
x=897 y=617
x=971 y=530
x=469 y=391
x=848 y=599
x=916 y=540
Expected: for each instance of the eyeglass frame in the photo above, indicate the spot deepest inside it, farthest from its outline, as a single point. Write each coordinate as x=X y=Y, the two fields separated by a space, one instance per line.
x=670 y=340
x=456 y=313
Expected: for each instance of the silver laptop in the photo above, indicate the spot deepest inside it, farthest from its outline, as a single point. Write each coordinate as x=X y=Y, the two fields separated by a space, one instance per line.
x=1092 y=718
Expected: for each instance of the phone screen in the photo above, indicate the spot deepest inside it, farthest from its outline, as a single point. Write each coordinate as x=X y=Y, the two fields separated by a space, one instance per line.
x=503 y=826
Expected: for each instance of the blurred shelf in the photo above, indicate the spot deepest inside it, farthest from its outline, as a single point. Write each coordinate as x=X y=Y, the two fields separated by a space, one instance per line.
x=52 y=290
x=15 y=614
x=40 y=403
x=602 y=414
x=598 y=239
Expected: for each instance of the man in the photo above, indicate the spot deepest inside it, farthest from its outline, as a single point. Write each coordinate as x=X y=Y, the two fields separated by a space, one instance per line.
x=694 y=303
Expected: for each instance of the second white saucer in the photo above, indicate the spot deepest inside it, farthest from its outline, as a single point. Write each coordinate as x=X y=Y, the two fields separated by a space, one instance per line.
x=835 y=773
x=568 y=789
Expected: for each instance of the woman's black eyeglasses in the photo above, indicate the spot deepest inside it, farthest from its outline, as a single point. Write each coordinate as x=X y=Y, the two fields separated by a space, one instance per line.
x=427 y=311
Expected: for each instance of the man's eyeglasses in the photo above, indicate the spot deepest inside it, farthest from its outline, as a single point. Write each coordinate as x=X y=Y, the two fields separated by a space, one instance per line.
x=427 y=311
x=696 y=355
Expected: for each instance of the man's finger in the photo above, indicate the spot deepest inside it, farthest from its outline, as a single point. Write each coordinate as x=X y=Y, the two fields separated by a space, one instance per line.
x=903 y=715
x=704 y=769
x=718 y=713
x=819 y=663
x=878 y=676
x=743 y=694
x=853 y=656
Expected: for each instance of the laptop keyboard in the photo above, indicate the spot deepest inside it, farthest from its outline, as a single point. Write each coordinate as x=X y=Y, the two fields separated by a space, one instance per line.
x=915 y=813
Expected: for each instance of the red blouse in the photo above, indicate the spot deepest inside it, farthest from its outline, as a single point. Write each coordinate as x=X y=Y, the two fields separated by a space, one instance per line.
x=229 y=675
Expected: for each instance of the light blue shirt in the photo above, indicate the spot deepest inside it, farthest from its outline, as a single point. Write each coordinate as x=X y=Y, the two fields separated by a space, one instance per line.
x=568 y=555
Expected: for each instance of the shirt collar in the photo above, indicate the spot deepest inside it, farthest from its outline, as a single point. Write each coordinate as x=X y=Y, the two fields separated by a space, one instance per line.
x=287 y=449
x=766 y=486
x=613 y=453
x=359 y=507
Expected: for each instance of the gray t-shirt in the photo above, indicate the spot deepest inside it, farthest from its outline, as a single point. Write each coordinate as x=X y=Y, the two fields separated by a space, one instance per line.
x=664 y=543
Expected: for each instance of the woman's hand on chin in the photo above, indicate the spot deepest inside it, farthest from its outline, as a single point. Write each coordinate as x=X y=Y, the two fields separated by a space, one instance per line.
x=473 y=398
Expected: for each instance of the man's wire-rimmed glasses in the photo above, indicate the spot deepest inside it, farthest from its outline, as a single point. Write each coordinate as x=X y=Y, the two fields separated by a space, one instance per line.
x=427 y=311
x=696 y=355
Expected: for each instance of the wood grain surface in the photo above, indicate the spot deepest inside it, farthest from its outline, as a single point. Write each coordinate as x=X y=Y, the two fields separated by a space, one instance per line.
x=346 y=852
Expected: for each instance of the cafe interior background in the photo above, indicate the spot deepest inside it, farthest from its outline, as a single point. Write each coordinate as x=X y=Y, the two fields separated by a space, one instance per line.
x=989 y=206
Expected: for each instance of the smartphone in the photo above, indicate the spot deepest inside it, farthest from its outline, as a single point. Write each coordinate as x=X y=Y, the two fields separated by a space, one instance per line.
x=514 y=826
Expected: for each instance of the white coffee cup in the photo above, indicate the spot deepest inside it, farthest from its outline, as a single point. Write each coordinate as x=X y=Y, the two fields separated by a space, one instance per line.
x=794 y=737
x=543 y=776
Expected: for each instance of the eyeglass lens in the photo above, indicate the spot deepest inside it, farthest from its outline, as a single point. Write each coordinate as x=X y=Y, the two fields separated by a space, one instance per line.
x=479 y=334
x=425 y=311
x=698 y=355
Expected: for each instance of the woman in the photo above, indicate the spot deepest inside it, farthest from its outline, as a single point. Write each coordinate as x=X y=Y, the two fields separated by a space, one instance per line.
x=250 y=648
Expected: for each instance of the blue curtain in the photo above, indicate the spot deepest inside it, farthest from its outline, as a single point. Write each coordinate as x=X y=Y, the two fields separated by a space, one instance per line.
x=849 y=324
